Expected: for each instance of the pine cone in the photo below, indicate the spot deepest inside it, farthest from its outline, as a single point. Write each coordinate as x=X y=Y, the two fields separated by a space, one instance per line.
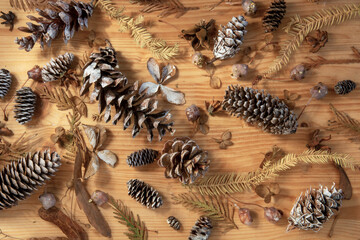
x=184 y=159
x=67 y=17
x=142 y=157
x=5 y=82
x=315 y=208
x=57 y=67
x=273 y=15
x=112 y=89
x=173 y=222
x=20 y=178
x=344 y=87
x=269 y=113
x=144 y=194
x=229 y=38
x=25 y=108
x=202 y=229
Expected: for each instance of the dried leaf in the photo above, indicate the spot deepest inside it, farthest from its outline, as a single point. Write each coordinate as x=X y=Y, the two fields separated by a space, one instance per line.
x=204 y=129
x=92 y=133
x=108 y=157
x=4 y=131
x=167 y=72
x=267 y=198
x=228 y=143
x=262 y=190
x=154 y=69
x=92 y=167
x=215 y=82
x=222 y=145
x=274 y=188
x=173 y=96
x=151 y=88
x=80 y=105
x=102 y=136
x=344 y=184
x=226 y=135
x=218 y=140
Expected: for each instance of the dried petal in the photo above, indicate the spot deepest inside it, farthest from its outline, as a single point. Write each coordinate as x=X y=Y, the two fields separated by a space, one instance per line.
x=274 y=188
x=226 y=135
x=215 y=82
x=154 y=69
x=150 y=88
x=173 y=96
x=267 y=198
x=261 y=190
x=107 y=156
x=93 y=166
x=167 y=72
x=204 y=129
x=92 y=134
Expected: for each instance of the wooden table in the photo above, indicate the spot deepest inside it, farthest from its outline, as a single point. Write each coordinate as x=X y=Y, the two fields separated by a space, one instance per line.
x=250 y=144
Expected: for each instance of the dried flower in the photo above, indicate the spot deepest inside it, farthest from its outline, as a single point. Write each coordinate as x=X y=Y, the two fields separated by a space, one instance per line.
x=192 y=113
x=273 y=156
x=266 y=191
x=318 y=41
x=239 y=71
x=9 y=19
x=245 y=216
x=315 y=142
x=215 y=82
x=99 y=198
x=272 y=214
x=35 y=73
x=167 y=72
x=298 y=72
x=213 y=107
x=249 y=7
x=201 y=124
x=200 y=35
x=225 y=140
x=319 y=91
x=198 y=59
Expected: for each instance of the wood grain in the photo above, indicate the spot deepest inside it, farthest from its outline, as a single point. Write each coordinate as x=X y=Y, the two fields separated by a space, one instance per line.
x=249 y=146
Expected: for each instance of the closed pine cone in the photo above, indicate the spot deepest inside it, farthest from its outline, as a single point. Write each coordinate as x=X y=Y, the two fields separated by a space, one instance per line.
x=261 y=109
x=273 y=15
x=26 y=103
x=173 y=222
x=184 y=159
x=202 y=229
x=142 y=157
x=144 y=194
x=229 y=38
x=67 y=17
x=111 y=89
x=19 y=179
x=344 y=87
x=57 y=67
x=315 y=208
x=5 y=82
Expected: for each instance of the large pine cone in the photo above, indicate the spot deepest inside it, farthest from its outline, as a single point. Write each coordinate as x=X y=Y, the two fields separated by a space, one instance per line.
x=144 y=194
x=315 y=208
x=67 y=17
x=184 y=159
x=20 y=178
x=5 y=82
x=26 y=103
x=111 y=88
x=273 y=15
x=260 y=108
x=229 y=38
x=202 y=229
x=57 y=67
x=142 y=157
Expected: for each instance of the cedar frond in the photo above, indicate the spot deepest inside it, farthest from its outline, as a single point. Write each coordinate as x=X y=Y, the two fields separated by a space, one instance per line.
x=298 y=28
x=59 y=97
x=142 y=37
x=227 y=183
x=21 y=146
x=136 y=227
x=29 y=5
x=218 y=209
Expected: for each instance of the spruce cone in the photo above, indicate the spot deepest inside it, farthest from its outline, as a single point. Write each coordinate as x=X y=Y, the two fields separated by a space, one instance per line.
x=57 y=67
x=344 y=87
x=273 y=15
x=67 y=17
x=142 y=157
x=229 y=38
x=315 y=208
x=26 y=103
x=144 y=194
x=255 y=107
x=173 y=222
x=202 y=229
x=5 y=82
x=184 y=159
x=112 y=89
x=20 y=178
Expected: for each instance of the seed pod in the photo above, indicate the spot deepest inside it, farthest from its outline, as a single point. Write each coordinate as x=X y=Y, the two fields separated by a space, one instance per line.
x=173 y=222
x=344 y=87
x=99 y=198
x=272 y=214
x=198 y=59
x=47 y=200
x=245 y=216
x=239 y=71
x=298 y=72
x=319 y=91
x=192 y=113
x=249 y=7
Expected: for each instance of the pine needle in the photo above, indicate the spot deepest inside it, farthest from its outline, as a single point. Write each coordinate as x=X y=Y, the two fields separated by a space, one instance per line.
x=19 y=148
x=298 y=28
x=228 y=183
x=158 y=47
x=29 y=5
x=136 y=227
x=218 y=209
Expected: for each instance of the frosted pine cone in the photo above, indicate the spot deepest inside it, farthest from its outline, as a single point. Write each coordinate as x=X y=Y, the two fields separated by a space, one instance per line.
x=184 y=159
x=273 y=15
x=229 y=38
x=67 y=18
x=57 y=67
x=19 y=179
x=142 y=157
x=173 y=222
x=26 y=103
x=144 y=194
x=344 y=87
x=5 y=82
x=261 y=109
x=201 y=230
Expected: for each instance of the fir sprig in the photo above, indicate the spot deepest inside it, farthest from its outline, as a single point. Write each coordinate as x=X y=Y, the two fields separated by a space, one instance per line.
x=136 y=227
x=28 y=5
x=228 y=183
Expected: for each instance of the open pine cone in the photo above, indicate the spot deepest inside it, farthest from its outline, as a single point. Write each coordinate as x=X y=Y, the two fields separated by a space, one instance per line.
x=184 y=159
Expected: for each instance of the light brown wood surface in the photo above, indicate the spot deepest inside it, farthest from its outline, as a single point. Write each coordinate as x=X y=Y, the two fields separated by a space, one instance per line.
x=250 y=144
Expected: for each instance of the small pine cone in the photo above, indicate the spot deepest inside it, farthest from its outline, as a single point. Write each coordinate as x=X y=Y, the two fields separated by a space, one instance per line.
x=20 y=178
x=344 y=87
x=173 y=222
x=57 y=67
x=229 y=38
x=261 y=109
x=26 y=103
x=182 y=158
x=273 y=15
x=201 y=230
x=144 y=194
x=5 y=82
x=142 y=157
x=315 y=208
